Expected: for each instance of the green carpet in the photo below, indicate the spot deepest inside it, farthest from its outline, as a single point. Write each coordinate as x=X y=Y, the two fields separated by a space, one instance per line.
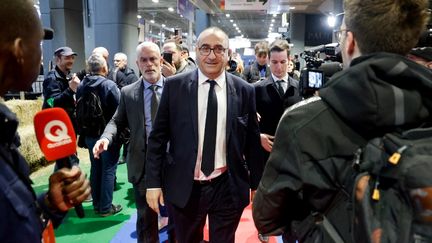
x=92 y=228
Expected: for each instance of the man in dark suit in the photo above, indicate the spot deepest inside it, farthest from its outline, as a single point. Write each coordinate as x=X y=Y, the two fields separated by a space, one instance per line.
x=274 y=94
x=209 y=118
x=135 y=112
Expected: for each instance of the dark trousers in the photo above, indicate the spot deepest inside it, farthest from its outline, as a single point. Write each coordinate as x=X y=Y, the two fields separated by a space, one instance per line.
x=215 y=200
x=147 y=219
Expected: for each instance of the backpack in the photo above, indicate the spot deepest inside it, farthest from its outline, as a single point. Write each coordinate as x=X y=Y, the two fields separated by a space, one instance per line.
x=392 y=192
x=89 y=113
x=386 y=198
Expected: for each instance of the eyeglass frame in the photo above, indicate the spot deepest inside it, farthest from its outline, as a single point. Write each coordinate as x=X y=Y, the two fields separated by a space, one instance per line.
x=338 y=34
x=223 y=49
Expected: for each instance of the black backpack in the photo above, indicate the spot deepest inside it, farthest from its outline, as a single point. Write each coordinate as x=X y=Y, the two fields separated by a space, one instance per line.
x=89 y=113
x=387 y=198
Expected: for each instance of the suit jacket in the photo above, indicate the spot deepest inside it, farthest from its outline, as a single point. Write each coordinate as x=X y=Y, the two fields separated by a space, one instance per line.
x=130 y=113
x=177 y=122
x=271 y=105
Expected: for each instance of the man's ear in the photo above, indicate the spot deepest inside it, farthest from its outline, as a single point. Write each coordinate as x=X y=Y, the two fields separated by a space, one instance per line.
x=350 y=43
x=17 y=50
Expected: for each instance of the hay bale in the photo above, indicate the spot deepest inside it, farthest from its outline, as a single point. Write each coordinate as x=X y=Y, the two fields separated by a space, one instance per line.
x=30 y=148
x=25 y=109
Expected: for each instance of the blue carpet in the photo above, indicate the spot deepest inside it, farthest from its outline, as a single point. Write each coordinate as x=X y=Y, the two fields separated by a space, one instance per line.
x=127 y=233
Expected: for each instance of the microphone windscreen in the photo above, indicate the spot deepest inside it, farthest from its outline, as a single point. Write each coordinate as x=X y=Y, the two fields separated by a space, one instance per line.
x=55 y=133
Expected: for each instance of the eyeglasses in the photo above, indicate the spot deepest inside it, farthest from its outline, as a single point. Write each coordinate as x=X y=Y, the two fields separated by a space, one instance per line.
x=338 y=34
x=217 y=50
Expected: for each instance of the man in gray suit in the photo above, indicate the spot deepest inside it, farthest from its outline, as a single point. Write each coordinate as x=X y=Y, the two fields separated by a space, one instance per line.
x=135 y=112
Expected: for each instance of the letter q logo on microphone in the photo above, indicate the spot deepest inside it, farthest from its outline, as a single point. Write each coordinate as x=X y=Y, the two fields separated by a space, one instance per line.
x=55 y=133
x=59 y=134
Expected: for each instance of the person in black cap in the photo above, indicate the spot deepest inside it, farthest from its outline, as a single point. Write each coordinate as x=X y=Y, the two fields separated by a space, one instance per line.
x=422 y=56
x=24 y=216
x=59 y=87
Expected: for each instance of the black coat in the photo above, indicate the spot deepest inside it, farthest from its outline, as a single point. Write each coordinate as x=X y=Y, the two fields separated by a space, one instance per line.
x=322 y=134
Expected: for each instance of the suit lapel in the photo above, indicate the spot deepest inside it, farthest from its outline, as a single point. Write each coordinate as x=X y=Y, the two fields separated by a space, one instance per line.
x=231 y=105
x=193 y=102
x=139 y=101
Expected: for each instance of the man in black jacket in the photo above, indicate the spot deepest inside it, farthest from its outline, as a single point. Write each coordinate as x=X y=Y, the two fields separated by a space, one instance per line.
x=379 y=91
x=24 y=215
x=120 y=65
x=59 y=88
x=275 y=94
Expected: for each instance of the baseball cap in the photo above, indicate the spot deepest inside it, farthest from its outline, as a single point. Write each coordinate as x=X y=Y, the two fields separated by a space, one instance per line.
x=48 y=34
x=423 y=52
x=64 y=51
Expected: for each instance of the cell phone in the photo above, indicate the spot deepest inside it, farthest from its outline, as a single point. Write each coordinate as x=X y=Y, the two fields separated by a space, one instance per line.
x=178 y=31
x=167 y=57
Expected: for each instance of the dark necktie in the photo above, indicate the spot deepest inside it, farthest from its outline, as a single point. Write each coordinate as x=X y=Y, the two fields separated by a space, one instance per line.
x=208 y=153
x=154 y=101
x=279 y=87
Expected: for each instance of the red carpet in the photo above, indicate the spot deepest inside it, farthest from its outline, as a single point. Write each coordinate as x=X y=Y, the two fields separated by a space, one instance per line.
x=246 y=232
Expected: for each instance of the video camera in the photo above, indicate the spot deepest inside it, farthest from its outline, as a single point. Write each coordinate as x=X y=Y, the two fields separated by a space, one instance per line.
x=321 y=63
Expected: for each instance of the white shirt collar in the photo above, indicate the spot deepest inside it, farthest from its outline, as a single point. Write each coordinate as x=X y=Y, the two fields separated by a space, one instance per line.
x=285 y=79
x=220 y=80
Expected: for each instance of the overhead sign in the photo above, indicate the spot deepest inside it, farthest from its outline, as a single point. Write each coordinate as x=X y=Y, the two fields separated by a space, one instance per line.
x=257 y=5
x=187 y=9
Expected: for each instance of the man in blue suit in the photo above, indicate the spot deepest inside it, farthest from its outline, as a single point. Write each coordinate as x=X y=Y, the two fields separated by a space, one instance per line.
x=208 y=116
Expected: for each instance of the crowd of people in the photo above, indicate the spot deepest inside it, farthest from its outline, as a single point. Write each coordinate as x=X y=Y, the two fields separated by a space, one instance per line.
x=203 y=138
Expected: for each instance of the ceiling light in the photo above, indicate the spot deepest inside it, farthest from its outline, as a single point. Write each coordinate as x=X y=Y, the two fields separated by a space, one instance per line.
x=271 y=25
x=291 y=8
x=231 y=20
x=163 y=25
x=273 y=20
x=181 y=15
x=331 y=21
x=274 y=15
x=155 y=1
x=227 y=15
x=139 y=16
x=171 y=9
x=152 y=21
x=234 y=25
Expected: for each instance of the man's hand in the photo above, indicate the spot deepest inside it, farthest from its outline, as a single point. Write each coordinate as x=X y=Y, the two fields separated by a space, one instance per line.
x=267 y=142
x=100 y=146
x=168 y=69
x=74 y=82
x=154 y=197
x=67 y=188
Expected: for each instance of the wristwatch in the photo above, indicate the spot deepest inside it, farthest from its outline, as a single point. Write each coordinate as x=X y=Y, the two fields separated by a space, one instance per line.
x=263 y=238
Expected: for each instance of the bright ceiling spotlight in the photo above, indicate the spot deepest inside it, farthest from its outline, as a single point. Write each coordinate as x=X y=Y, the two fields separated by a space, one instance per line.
x=331 y=21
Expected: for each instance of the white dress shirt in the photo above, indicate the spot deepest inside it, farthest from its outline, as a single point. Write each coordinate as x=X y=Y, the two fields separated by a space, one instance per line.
x=220 y=151
x=284 y=83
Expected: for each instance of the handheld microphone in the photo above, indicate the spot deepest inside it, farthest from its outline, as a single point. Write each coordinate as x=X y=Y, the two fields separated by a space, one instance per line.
x=56 y=138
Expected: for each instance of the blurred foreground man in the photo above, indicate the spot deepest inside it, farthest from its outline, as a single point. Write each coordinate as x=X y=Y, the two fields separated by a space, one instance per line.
x=24 y=215
x=380 y=91
x=208 y=116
